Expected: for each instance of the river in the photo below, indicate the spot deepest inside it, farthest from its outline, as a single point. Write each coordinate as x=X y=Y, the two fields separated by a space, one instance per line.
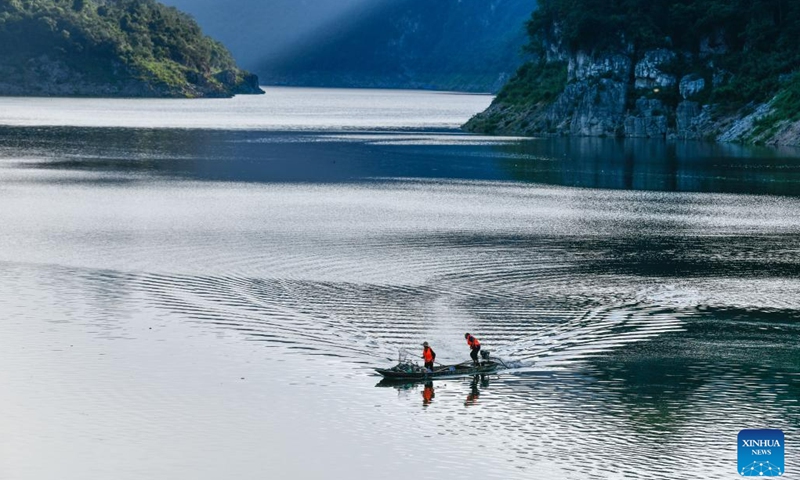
x=201 y=289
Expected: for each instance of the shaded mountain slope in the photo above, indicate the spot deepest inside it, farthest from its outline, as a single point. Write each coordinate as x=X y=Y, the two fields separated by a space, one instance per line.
x=471 y=45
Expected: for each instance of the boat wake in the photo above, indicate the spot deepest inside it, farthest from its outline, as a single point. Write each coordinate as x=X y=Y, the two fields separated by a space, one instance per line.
x=594 y=333
x=343 y=320
x=366 y=324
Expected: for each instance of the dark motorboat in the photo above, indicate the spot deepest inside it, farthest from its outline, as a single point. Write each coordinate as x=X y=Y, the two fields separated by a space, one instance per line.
x=411 y=371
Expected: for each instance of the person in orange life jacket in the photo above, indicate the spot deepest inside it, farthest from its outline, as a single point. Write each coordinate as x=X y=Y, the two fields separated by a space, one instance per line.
x=474 y=347
x=428 y=355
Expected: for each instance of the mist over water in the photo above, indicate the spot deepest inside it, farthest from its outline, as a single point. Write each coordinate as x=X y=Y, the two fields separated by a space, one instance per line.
x=212 y=301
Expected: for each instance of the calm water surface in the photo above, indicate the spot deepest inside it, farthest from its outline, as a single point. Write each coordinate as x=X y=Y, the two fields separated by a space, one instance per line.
x=201 y=289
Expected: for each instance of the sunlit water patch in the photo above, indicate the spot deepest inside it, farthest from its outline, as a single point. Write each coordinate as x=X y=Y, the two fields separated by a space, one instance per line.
x=280 y=109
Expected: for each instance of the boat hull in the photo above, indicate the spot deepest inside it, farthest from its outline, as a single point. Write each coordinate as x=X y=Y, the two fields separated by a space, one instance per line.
x=415 y=373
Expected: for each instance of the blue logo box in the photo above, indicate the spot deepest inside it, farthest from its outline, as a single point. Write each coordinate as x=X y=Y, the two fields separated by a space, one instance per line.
x=761 y=453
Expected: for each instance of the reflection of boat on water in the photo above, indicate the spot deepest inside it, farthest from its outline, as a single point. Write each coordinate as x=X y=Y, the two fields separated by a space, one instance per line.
x=407 y=370
x=478 y=383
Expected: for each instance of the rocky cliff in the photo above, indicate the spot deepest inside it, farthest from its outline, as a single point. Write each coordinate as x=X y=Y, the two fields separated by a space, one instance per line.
x=624 y=88
x=133 y=48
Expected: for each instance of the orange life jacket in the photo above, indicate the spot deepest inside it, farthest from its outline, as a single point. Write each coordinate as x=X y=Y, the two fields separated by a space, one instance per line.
x=473 y=342
x=427 y=354
x=427 y=394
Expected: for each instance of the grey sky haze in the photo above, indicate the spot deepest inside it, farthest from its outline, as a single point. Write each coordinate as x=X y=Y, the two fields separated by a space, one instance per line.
x=255 y=30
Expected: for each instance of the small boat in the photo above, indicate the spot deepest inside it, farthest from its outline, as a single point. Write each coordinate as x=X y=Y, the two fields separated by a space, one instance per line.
x=406 y=370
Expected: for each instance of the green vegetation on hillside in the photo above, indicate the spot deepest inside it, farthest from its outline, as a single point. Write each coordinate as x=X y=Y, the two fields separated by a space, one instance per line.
x=535 y=84
x=786 y=108
x=116 y=42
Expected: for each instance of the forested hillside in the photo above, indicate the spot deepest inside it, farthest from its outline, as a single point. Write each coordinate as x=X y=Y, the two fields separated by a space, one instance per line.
x=724 y=69
x=111 y=47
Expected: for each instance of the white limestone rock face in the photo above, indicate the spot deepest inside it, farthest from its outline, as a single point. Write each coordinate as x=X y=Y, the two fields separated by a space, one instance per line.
x=693 y=121
x=628 y=93
x=648 y=120
x=741 y=128
x=691 y=85
x=649 y=73
x=583 y=66
x=598 y=108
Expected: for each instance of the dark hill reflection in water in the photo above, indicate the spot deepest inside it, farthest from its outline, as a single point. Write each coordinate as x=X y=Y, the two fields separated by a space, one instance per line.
x=207 y=303
x=222 y=155
x=657 y=165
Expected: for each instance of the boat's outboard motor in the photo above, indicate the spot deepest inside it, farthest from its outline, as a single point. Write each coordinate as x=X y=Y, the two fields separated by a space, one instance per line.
x=485 y=354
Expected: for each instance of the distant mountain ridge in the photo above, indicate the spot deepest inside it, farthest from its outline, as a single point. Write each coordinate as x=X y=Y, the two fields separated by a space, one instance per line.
x=134 y=48
x=467 y=45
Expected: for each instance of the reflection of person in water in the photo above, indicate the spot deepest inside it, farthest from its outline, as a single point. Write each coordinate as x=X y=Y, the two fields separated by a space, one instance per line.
x=427 y=394
x=474 y=391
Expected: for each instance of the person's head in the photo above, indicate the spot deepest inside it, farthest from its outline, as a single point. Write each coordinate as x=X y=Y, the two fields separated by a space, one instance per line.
x=425 y=344
x=466 y=335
